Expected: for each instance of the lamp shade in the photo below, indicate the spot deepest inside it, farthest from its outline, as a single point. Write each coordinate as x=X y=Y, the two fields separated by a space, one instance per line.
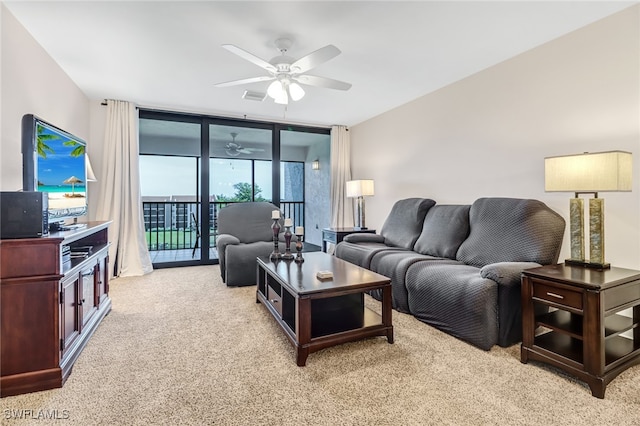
x=275 y=89
x=91 y=177
x=360 y=188
x=296 y=91
x=589 y=172
x=282 y=99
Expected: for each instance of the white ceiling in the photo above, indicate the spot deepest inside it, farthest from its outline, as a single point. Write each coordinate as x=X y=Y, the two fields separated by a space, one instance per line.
x=167 y=54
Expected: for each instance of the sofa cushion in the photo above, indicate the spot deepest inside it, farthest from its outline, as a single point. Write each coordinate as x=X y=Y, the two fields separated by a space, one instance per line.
x=455 y=299
x=361 y=253
x=394 y=264
x=511 y=230
x=445 y=228
x=249 y=222
x=404 y=223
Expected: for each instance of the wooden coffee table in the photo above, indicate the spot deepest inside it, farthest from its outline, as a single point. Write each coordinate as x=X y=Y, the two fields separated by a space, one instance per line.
x=316 y=314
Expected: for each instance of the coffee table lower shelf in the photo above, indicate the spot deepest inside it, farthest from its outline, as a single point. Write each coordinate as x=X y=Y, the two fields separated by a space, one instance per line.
x=314 y=319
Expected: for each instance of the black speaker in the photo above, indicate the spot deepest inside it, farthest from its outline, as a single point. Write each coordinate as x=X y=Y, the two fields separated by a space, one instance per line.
x=24 y=214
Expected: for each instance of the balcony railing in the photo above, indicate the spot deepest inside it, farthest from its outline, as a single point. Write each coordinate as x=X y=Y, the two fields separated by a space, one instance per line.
x=174 y=225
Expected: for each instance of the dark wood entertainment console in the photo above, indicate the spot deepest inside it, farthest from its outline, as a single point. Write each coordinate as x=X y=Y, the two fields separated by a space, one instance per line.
x=50 y=307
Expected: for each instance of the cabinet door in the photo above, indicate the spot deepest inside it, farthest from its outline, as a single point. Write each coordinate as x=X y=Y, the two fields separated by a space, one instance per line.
x=28 y=321
x=70 y=312
x=102 y=280
x=88 y=300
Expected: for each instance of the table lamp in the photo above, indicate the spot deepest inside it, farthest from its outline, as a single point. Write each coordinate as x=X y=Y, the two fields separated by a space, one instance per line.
x=359 y=189
x=588 y=173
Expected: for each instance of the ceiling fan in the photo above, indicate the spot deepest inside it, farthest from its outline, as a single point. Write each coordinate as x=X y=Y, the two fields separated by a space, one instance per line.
x=286 y=72
x=234 y=149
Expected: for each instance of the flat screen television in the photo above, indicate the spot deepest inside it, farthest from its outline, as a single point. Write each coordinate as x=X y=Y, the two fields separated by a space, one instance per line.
x=54 y=161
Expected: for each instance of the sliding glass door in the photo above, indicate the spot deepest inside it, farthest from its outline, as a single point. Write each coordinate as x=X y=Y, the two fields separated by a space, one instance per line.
x=170 y=187
x=245 y=161
x=305 y=180
x=240 y=168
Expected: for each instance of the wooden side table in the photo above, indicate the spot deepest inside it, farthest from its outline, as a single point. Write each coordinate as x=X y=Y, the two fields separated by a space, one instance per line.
x=335 y=235
x=581 y=333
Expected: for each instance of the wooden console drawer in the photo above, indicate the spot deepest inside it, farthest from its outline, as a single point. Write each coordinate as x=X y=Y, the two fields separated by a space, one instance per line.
x=620 y=295
x=557 y=295
x=329 y=237
x=274 y=299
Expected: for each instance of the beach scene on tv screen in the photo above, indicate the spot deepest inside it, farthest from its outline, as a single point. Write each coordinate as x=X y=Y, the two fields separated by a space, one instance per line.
x=61 y=169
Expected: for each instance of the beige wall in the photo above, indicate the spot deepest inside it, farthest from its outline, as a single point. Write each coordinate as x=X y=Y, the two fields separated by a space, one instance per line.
x=32 y=83
x=488 y=134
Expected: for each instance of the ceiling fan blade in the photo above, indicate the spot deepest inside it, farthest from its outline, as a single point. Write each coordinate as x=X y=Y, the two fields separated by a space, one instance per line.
x=329 y=83
x=314 y=59
x=245 y=81
x=250 y=57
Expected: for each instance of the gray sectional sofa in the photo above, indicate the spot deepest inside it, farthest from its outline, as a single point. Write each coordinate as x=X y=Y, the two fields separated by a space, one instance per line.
x=457 y=267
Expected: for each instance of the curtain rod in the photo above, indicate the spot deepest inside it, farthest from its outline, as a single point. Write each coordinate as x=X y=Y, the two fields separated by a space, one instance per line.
x=104 y=103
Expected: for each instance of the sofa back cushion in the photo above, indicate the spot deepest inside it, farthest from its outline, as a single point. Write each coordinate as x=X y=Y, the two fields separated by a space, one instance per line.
x=402 y=226
x=445 y=228
x=511 y=230
x=249 y=222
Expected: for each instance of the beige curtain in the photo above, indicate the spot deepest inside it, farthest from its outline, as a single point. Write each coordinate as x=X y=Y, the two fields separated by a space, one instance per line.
x=341 y=207
x=120 y=189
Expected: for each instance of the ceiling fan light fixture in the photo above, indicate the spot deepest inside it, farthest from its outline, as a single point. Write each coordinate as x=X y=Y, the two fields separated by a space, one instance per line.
x=285 y=72
x=275 y=89
x=278 y=91
x=296 y=91
x=282 y=98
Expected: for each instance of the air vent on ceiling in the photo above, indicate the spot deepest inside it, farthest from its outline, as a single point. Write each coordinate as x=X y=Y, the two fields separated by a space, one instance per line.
x=254 y=96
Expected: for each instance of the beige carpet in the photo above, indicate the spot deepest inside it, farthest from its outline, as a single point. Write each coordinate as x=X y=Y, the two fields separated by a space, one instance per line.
x=179 y=347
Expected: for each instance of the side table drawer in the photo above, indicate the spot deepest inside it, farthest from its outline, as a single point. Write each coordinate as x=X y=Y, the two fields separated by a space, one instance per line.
x=330 y=237
x=557 y=295
x=274 y=299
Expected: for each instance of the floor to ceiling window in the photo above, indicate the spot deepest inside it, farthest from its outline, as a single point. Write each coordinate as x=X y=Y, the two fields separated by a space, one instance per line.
x=170 y=188
x=247 y=161
x=299 y=151
x=240 y=168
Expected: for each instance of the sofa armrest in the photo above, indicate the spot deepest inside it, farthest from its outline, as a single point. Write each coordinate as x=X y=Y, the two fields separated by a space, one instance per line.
x=506 y=273
x=222 y=242
x=226 y=239
x=508 y=277
x=364 y=238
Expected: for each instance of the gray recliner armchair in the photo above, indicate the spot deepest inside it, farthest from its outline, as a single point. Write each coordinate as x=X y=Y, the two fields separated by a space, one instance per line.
x=244 y=233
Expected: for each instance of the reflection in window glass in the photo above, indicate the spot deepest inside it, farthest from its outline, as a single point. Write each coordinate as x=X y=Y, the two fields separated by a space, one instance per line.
x=230 y=179
x=263 y=181
x=291 y=181
x=156 y=182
